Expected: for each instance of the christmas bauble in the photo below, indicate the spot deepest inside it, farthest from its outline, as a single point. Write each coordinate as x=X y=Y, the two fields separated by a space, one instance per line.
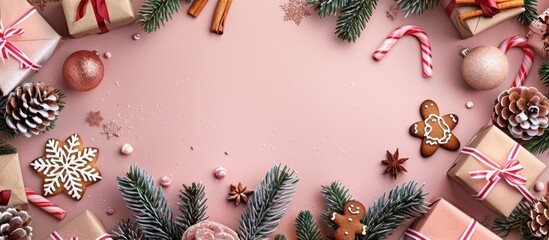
x=484 y=67
x=83 y=70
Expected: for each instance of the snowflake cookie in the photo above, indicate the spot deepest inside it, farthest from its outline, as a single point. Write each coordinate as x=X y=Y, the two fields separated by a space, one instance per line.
x=436 y=130
x=67 y=167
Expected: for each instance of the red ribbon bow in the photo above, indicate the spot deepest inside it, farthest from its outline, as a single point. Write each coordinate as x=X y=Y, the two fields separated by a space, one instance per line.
x=99 y=9
x=5 y=196
x=489 y=7
x=509 y=172
x=7 y=48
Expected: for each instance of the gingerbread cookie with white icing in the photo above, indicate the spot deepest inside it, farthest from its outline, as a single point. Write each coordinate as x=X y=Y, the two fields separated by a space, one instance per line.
x=348 y=224
x=435 y=130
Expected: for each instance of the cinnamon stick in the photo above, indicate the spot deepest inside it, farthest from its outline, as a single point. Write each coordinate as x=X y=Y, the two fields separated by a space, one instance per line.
x=501 y=6
x=473 y=2
x=220 y=16
x=197 y=7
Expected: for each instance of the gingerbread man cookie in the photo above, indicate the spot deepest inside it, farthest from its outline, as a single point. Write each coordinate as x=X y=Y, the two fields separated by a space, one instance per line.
x=348 y=224
x=435 y=130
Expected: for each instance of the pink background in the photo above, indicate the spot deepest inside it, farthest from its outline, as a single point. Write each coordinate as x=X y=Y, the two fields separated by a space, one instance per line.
x=268 y=92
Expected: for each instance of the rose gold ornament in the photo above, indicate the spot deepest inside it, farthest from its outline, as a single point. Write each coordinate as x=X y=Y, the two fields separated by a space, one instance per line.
x=484 y=67
x=83 y=70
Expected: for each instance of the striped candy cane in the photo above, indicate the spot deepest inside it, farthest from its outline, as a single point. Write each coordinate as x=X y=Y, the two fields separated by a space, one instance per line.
x=527 y=61
x=426 y=56
x=45 y=204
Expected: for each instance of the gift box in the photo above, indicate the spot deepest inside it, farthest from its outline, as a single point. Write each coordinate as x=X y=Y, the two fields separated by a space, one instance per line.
x=538 y=35
x=445 y=221
x=12 y=188
x=85 y=226
x=96 y=16
x=497 y=170
x=30 y=42
x=473 y=26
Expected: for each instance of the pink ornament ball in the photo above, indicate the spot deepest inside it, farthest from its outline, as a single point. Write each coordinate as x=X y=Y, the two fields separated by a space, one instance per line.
x=484 y=67
x=83 y=70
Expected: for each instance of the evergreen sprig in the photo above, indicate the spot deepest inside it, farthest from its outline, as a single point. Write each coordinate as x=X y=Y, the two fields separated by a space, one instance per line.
x=149 y=205
x=387 y=213
x=126 y=230
x=6 y=148
x=353 y=19
x=192 y=207
x=538 y=144
x=516 y=221
x=267 y=204
x=306 y=227
x=530 y=13
x=155 y=12
x=327 y=7
x=280 y=237
x=544 y=73
x=416 y=6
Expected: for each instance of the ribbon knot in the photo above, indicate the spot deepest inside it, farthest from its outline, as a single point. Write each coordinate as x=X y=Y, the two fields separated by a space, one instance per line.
x=489 y=7
x=100 y=11
x=510 y=172
x=7 y=48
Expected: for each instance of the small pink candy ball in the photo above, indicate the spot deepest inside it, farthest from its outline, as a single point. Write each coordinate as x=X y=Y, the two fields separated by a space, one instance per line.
x=165 y=181
x=220 y=173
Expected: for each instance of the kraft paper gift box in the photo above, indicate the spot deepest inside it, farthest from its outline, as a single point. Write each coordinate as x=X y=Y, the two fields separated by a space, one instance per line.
x=85 y=226
x=538 y=35
x=445 y=221
x=11 y=182
x=96 y=16
x=496 y=146
x=471 y=27
x=36 y=39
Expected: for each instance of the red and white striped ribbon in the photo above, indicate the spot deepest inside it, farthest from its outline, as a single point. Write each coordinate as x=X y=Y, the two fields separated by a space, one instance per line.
x=45 y=204
x=420 y=34
x=527 y=61
x=55 y=236
x=467 y=234
x=509 y=172
x=7 y=48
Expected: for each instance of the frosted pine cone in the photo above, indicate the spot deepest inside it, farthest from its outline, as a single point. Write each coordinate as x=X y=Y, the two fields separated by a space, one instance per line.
x=523 y=111
x=32 y=108
x=539 y=216
x=15 y=224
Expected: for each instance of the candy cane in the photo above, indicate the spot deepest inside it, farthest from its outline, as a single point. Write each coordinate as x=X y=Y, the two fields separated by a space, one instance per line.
x=45 y=204
x=426 y=56
x=527 y=61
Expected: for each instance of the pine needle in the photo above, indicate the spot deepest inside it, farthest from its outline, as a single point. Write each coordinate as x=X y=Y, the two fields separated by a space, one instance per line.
x=268 y=204
x=516 y=221
x=149 y=205
x=335 y=196
x=306 y=227
x=353 y=19
x=544 y=73
x=416 y=6
x=192 y=208
x=126 y=230
x=155 y=12
x=6 y=148
x=327 y=7
x=530 y=13
x=538 y=144
x=280 y=237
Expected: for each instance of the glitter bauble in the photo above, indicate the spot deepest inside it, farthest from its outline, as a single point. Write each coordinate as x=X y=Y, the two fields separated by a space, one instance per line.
x=484 y=67
x=83 y=70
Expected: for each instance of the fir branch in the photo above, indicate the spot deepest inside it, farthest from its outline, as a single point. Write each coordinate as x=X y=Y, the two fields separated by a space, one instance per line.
x=155 y=12
x=353 y=19
x=544 y=73
x=192 y=207
x=306 y=227
x=61 y=104
x=280 y=237
x=268 y=204
x=6 y=148
x=401 y=204
x=530 y=13
x=516 y=221
x=327 y=7
x=417 y=6
x=149 y=205
x=538 y=144
x=126 y=230
x=5 y=130
x=335 y=196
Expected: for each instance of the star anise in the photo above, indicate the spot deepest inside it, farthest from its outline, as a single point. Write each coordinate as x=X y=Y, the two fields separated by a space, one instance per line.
x=239 y=193
x=394 y=164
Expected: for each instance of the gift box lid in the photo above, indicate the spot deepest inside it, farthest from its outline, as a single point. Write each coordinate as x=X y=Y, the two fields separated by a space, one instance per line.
x=84 y=226
x=120 y=13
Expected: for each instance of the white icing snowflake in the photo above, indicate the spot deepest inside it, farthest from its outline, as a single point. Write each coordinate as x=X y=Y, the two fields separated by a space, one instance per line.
x=67 y=166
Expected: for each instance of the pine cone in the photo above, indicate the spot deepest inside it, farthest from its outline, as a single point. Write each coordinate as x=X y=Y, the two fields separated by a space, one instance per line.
x=539 y=215
x=523 y=111
x=15 y=224
x=32 y=108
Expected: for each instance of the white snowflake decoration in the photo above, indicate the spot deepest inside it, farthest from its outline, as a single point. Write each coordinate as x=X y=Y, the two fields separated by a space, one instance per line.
x=67 y=166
